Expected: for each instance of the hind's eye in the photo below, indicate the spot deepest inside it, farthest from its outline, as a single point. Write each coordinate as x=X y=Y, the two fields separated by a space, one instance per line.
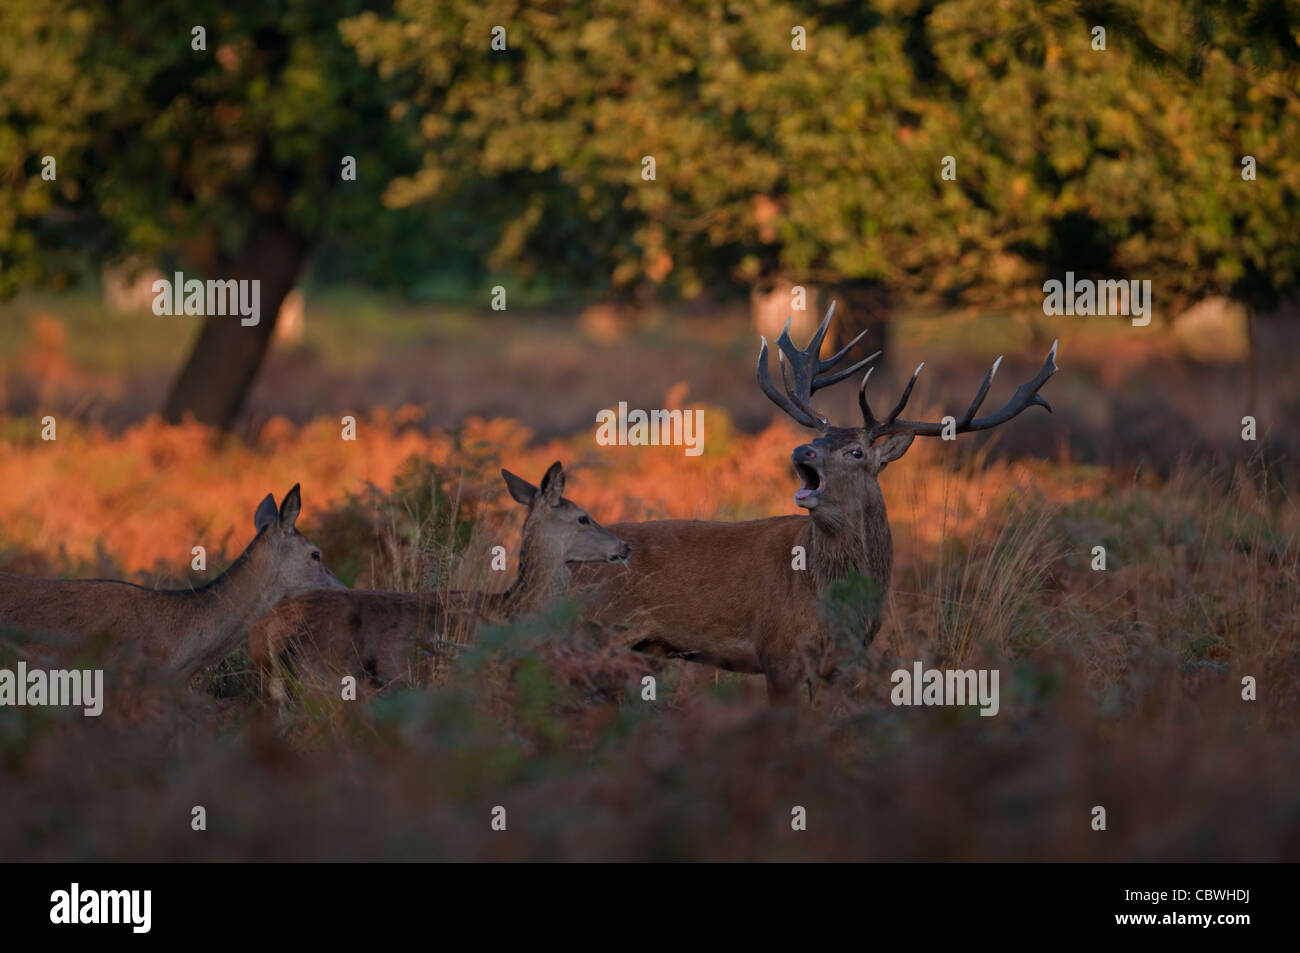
x=316 y=555
x=584 y=520
x=857 y=452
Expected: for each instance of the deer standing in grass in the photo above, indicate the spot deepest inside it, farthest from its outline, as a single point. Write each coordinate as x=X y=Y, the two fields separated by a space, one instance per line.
x=182 y=629
x=726 y=594
x=376 y=637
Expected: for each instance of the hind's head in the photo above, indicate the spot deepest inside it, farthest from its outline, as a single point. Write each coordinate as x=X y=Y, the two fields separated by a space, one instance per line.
x=560 y=528
x=293 y=561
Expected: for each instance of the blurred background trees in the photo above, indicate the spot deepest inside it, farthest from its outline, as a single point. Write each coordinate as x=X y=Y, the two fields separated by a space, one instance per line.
x=220 y=162
x=790 y=145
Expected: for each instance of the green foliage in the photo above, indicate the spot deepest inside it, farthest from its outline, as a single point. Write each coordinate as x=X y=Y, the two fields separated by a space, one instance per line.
x=1121 y=161
x=820 y=164
x=824 y=164
x=409 y=537
x=847 y=608
x=850 y=603
x=47 y=107
x=183 y=154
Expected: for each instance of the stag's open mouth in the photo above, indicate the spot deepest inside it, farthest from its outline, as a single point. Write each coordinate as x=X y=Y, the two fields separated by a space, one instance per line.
x=811 y=489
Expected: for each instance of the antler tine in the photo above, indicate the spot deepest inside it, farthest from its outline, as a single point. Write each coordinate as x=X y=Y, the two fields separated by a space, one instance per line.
x=867 y=416
x=983 y=392
x=815 y=345
x=795 y=390
x=1026 y=396
x=775 y=396
x=1047 y=370
x=873 y=425
x=902 y=401
x=802 y=364
x=835 y=378
x=830 y=362
x=807 y=360
x=790 y=385
x=800 y=369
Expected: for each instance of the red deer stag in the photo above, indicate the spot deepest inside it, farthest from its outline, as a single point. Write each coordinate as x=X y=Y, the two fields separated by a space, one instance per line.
x=726 y=594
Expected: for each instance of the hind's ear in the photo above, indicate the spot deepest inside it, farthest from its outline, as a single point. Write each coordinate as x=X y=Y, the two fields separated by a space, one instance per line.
x=266 y=514
x=289 y=508
x=553 y=484
x=520 y=489
x=891 y=448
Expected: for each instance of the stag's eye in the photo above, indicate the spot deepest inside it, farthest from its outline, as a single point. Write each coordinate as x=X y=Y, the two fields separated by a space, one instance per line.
x=315 y=555
x=856 y=453
x=584 y=519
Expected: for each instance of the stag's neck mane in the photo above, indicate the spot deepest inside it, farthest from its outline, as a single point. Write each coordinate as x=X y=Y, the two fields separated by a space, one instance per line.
x=858 y=544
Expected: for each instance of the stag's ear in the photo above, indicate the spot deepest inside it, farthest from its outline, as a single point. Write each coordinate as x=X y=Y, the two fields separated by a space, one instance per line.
x=289 y=508
x=891 y=448
x=520 y=489
x=266 y=514
x=553 y=484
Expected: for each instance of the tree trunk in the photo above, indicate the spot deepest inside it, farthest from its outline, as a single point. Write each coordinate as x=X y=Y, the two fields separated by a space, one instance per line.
x=220 y=370
x=1252 y=361
x=864 y=305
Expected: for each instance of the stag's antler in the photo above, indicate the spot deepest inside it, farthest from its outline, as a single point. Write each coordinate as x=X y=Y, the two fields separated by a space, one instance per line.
x=799 y=370
x=1026 y=396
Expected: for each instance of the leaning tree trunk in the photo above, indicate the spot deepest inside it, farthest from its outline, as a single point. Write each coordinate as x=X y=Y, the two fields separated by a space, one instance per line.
x=227 y=355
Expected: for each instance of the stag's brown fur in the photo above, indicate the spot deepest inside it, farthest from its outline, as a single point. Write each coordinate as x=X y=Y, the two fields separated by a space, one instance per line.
x=726 y=594
x=729 y=594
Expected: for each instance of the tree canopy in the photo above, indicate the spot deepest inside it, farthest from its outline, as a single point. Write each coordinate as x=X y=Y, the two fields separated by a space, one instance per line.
x=820 y=156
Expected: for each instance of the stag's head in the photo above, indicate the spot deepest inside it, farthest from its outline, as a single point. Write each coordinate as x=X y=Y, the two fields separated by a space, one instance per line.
x=838 y=469
x=292 y=559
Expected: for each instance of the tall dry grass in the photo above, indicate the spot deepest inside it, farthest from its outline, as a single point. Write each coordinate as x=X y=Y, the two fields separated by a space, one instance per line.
x=1120 y=687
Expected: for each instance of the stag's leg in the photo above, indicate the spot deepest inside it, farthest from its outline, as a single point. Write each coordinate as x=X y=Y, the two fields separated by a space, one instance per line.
x=783 y=682
x=782 y=690
x=781 y=662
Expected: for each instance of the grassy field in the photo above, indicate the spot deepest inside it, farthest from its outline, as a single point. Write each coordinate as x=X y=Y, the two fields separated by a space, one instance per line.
x=1120 y=688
